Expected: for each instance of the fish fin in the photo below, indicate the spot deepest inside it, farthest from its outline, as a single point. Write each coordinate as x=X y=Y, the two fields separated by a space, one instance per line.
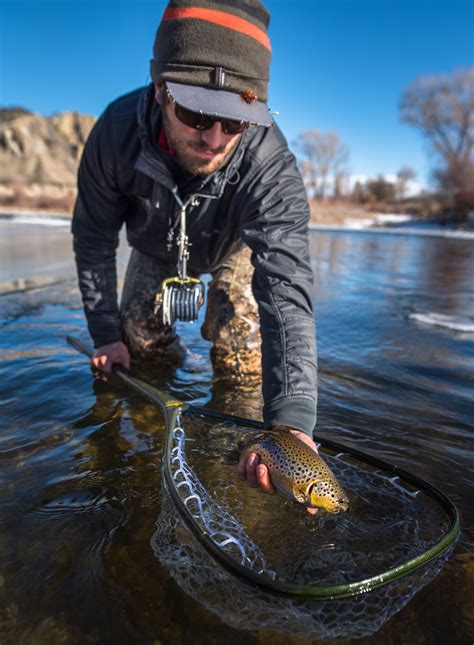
x=299 y=496
x=307 y=496
x=246 y=447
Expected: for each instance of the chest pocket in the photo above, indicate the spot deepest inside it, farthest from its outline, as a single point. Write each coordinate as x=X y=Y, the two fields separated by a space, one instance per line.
x=160 y=209
x=153 y=213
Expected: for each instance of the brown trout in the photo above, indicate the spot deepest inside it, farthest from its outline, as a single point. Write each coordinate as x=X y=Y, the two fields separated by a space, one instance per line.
x=297 y=471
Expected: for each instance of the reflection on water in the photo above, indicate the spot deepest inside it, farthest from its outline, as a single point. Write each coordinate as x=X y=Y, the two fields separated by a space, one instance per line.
x=33 y=254
x=80 y=460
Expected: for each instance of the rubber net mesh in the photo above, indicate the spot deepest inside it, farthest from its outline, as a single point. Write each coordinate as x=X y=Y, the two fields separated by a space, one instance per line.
x=388 y=523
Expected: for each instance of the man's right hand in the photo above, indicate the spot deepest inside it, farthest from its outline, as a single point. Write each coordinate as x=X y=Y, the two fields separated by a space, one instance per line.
x=108 y=355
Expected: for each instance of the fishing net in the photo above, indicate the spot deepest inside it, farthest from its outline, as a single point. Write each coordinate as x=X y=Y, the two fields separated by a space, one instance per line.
x=390 y=522
x=243 y=606
x=258 y=561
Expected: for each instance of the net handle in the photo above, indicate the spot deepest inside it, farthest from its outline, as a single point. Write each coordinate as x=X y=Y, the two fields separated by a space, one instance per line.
x=164 y=400
x=171 y=407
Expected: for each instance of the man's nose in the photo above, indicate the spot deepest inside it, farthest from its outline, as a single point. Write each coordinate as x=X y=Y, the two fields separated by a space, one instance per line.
x=214 y=137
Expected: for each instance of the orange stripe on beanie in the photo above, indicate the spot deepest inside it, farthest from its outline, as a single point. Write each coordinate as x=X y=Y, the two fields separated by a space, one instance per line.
x=228 y=20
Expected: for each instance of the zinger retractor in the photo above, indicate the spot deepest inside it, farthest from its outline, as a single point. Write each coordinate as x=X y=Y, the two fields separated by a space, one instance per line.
x=180 y=297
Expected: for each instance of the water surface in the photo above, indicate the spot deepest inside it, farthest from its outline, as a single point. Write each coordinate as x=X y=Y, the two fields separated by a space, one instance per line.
x=80 y=459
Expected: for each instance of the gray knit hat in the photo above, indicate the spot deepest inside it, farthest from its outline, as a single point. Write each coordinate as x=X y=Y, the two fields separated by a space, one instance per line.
x=215 y=57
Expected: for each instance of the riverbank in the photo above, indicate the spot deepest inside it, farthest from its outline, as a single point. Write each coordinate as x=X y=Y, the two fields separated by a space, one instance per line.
x=330 y=219
x=334 y=215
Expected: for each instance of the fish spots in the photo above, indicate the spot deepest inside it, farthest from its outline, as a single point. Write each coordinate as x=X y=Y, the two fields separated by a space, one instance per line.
x=297 y=470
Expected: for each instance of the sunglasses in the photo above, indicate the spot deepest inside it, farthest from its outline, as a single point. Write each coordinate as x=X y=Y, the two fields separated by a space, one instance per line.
x=200 y=121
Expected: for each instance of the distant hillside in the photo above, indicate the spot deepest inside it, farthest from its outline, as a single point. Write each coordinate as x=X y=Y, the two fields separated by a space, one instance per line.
x=35 y=149
x=39 y=157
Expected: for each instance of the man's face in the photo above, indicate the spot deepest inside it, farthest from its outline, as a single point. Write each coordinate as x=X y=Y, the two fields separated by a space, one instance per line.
x=200 y=152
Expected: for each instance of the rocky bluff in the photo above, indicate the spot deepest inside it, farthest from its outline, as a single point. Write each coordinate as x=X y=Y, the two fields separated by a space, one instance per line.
x=39 y=156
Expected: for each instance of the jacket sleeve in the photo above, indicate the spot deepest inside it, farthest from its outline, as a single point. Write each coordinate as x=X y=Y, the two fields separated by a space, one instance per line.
x=274 y=225
x=97 y=219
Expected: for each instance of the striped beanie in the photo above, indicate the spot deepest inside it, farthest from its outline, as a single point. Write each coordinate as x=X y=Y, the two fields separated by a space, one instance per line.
x=215 y=57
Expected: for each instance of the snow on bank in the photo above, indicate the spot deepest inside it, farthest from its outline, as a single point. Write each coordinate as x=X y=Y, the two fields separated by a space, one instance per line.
x=44 y=219
x=358 y=223
x=378 y=219
x=393 y=218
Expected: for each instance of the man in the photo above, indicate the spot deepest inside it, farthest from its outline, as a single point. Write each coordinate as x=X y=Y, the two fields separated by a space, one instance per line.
x=200 y=142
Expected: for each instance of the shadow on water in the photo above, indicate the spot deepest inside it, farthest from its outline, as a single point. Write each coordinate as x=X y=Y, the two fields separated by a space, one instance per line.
x=80 y=459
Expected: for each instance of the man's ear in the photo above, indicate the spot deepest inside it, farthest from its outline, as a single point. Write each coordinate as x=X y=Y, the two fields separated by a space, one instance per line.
x=159 y=92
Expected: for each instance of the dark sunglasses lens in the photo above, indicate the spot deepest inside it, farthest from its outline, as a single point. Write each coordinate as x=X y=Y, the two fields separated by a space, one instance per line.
x=190 y=118
x=230 y=126
x=200 y=121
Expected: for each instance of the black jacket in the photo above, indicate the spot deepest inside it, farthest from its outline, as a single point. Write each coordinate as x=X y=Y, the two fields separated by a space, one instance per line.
x=258 y=198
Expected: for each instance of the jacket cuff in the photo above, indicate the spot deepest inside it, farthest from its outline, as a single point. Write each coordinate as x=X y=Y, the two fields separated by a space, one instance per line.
x=104 y=333
x=298 y=413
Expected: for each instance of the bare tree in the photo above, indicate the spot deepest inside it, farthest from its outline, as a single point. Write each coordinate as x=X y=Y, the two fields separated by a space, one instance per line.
x=404 y=175
x=341 y=184
x=323 y=155
x=309 y=179
x=359 y=193
x=443 y=107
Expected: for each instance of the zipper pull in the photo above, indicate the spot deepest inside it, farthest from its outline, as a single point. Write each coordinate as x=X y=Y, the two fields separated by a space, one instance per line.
x=170 y=236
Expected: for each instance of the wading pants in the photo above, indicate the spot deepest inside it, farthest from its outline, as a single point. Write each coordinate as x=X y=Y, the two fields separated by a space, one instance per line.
x=231 y=322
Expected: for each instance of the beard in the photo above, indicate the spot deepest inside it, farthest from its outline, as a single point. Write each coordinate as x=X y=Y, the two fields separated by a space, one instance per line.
x=187 y=147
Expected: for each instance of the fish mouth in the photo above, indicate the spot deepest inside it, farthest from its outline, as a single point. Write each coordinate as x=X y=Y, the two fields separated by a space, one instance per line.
x=343 y=505
x=320 y=495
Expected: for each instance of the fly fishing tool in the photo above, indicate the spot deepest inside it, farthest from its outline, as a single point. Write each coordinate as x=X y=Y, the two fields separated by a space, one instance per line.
x=351 y=573
x=181 y=296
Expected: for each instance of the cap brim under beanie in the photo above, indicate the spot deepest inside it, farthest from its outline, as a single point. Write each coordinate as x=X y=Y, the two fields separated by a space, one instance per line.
x=220 y=103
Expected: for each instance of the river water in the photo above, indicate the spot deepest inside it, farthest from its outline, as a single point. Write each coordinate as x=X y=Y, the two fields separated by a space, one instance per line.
x=80 y=459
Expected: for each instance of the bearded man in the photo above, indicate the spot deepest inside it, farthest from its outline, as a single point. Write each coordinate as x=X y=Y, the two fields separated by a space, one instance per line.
x=204 y=181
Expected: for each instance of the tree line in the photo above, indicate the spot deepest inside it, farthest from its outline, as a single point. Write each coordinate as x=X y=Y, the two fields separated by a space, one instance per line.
x=442 y=108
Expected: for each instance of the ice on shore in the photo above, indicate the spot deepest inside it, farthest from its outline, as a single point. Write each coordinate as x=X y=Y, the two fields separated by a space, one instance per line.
x=392 y=218
x=442 y=320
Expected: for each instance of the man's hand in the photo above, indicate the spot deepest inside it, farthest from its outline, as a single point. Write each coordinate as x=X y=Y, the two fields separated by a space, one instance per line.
x=258 y=475
x=107 y=355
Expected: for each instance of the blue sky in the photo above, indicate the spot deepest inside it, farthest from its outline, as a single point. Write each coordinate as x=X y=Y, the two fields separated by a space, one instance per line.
x=337 y=65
